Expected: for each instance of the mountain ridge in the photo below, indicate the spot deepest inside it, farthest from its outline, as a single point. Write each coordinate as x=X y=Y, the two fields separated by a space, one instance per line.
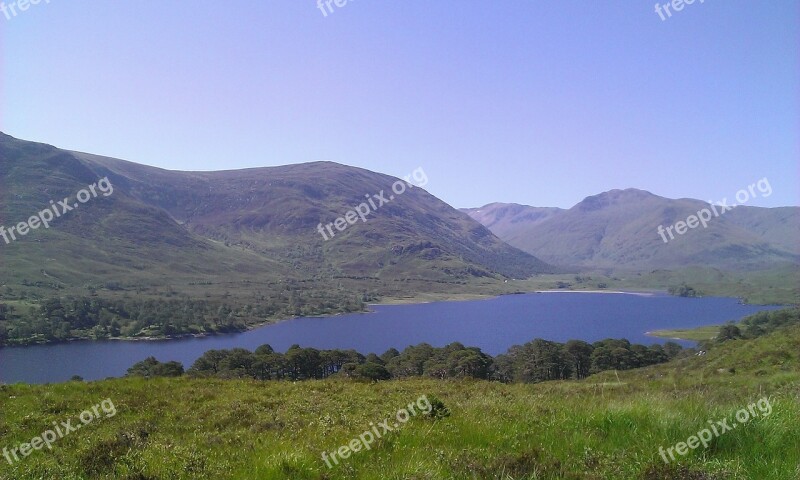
x=620 y=229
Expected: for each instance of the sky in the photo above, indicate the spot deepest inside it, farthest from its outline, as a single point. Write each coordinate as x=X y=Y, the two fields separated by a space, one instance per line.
x=533 y=102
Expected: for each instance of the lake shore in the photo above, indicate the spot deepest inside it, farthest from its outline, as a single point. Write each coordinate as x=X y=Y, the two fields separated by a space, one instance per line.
x=610 y=292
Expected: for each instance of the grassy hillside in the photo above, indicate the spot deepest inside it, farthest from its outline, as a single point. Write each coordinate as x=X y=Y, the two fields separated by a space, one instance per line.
x=609 y=426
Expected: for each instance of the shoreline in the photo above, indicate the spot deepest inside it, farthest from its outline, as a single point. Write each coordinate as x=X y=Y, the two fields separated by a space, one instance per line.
x=609 y=292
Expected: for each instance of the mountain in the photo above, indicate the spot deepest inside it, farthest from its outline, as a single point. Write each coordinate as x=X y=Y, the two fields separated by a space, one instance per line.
x=165 y=231
x=505 y=218
x=619 y=229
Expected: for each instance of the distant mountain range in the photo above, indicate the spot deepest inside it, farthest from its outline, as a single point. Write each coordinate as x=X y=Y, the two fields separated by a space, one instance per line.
x=619 y=230
x=258 y=225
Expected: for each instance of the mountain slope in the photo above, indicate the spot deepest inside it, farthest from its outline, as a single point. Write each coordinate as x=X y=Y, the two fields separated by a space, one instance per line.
x=163 y=228
x=105 y=239
x=505 y=218
x=619 y=229
x=276 y=212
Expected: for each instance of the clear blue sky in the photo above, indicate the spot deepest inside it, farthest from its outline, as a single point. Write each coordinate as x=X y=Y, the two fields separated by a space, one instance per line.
x=535 y=102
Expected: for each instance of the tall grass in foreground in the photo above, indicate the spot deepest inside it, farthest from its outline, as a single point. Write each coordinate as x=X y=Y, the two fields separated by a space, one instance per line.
x=235 y=429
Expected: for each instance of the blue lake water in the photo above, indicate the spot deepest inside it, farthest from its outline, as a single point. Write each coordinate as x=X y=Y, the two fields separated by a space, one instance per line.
x=493 y=325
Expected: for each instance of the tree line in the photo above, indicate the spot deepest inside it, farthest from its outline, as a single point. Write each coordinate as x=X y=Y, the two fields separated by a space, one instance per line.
x=72 y=318
x=536 y=361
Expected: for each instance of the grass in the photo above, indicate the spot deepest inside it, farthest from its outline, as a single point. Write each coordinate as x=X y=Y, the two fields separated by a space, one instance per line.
x=696 y=334
x=606 y=427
